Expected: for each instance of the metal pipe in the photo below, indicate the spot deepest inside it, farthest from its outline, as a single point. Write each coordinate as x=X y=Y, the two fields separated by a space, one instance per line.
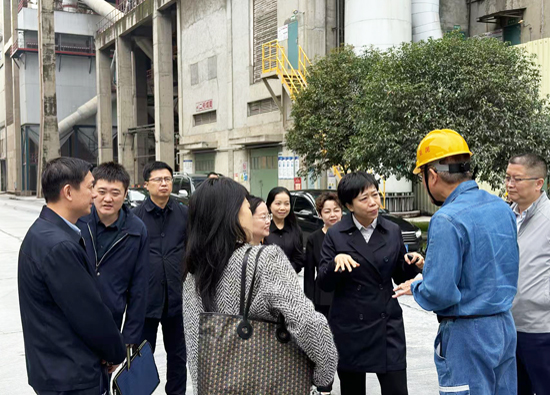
x=83 y=112
x=103 y=8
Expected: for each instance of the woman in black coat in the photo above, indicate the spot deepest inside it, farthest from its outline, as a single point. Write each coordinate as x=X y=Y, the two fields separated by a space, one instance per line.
x=284 y=230
x=360 y=257
x=329 y=209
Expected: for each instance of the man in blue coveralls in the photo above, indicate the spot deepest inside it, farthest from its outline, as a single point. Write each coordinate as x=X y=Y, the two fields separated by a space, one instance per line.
x=470 y=273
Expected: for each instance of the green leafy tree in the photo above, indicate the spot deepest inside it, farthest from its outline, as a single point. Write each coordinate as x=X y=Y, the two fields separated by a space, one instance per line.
x=484 y=89
x=371 y=111
x=325 y=114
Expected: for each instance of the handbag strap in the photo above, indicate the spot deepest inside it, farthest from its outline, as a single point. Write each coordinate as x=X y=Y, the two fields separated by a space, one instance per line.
x=244 y=329
x=243 y=280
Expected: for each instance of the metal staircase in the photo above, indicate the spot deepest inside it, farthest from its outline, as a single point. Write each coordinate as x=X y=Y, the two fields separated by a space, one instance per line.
x=275 y=64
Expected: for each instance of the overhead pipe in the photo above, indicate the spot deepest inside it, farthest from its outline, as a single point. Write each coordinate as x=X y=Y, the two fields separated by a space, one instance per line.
x=103 y=8
x=82 y=113
x=425 y=20
x=70 y=5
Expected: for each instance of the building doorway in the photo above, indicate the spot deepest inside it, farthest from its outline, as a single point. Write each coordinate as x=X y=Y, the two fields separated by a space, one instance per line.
x=264 y=171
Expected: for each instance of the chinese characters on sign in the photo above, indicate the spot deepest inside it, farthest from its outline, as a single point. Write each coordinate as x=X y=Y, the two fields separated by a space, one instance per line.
x=204 y=106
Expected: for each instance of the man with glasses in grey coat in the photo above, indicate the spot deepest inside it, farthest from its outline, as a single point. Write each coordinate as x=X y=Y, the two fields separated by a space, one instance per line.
x=524 y=179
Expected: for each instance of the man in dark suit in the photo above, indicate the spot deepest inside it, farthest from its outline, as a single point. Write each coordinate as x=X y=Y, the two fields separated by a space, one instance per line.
x=69 y=334
x=361 y=256
x=118 y=248
x=166 y=222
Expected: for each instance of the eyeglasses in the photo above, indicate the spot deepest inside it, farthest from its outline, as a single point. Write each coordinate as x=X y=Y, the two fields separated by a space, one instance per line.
x=515 y=180
x=159 y=180
x=266 y=217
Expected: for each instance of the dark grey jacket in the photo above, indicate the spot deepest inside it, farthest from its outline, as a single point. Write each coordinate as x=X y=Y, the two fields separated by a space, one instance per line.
x=67 y=329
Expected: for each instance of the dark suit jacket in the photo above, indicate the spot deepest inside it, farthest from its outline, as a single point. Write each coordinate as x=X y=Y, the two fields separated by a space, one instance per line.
x=312 y=289
x=123 y=273
x=67 y=329
x=366 y=321
x=166 y=250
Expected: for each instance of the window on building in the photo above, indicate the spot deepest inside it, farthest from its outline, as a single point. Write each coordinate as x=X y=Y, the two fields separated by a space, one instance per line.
x=212 y=67
x=262 y=106
x=264 y=30
x=205 y=163
x=194 y=71
x=204 y=118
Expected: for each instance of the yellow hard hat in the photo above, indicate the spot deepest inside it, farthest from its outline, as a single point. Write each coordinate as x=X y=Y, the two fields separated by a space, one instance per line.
x=439 y=144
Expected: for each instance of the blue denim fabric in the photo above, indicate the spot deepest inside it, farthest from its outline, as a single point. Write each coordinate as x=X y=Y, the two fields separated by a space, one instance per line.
x=472 y=259
x=477 y=356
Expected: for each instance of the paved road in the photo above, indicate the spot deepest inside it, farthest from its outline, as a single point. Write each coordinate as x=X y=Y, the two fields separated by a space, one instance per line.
x=15 y=218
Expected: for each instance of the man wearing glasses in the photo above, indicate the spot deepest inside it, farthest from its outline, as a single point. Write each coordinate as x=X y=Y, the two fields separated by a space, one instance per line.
x=166 y=222
x=525 y=177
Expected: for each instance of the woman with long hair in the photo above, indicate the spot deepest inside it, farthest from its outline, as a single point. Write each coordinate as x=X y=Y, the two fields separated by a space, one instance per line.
x=329 y=209
x=261 y=220
x=284 y=230
x=220 y=228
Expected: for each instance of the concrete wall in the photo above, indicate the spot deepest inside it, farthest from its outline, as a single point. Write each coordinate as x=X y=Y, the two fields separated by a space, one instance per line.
x=74 y=82
x=536 y=17
x=212 y=28
x=65 y=22
x=453 y=13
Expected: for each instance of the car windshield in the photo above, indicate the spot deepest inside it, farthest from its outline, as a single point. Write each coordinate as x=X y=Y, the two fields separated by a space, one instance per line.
x=136 y=196
x=198 y=181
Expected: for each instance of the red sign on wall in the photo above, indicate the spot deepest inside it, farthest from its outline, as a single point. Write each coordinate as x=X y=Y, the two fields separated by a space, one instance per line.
x=297 y=183
x=203 y=105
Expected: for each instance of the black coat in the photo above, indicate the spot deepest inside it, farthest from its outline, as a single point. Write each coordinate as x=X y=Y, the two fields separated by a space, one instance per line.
x=167 y=247
x=366 y=321
x=290 y=241
x=123 y=272
x=312 y=289
x=67 y=330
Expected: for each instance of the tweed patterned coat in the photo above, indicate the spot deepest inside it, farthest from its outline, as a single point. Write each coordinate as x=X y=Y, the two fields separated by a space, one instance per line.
x=277 y=289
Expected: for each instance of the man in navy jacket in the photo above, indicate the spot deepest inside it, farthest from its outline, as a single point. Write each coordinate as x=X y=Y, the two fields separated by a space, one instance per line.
x=166 y=222
x=118 y=248
x=69 y=333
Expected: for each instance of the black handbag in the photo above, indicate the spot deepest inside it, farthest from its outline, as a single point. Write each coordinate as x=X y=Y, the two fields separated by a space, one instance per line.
x=240 y=355
x=139 y=374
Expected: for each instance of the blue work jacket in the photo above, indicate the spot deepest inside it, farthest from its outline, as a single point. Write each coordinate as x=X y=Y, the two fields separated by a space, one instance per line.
x=472 y=260
x=167 y=239
x=122 y=274
x=67 y=329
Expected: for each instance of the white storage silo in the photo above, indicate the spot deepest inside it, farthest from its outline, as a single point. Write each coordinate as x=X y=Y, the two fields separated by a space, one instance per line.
x=381 y=23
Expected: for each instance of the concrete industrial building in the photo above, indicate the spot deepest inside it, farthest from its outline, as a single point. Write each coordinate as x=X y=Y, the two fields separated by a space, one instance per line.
x=185 y=78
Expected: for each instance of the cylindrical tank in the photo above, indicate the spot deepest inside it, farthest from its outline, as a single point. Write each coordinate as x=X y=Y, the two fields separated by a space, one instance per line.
x=425 y=20
x=70 y=5
x=381 y=23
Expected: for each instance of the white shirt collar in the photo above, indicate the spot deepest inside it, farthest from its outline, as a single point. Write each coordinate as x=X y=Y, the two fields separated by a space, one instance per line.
x=359 y=226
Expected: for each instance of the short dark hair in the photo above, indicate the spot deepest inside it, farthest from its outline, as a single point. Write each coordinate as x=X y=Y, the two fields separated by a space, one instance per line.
x=533 y=162
x=325 y=197
x=59 y=172
x=454 y=178
x=254 y=202
x=157 y=165
x=353 y=184
x=213 y=173
x=112 y=172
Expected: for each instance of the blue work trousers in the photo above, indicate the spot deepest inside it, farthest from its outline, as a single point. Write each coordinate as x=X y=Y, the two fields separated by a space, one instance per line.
x=477 y=356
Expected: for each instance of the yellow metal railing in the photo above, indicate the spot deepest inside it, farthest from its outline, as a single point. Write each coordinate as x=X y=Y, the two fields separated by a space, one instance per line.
x=274 y=59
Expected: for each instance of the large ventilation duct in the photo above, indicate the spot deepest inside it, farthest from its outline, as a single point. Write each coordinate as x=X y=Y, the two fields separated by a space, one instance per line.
x=425 y=20
x=381 y=23
x=82 y=113
x=103 y=8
